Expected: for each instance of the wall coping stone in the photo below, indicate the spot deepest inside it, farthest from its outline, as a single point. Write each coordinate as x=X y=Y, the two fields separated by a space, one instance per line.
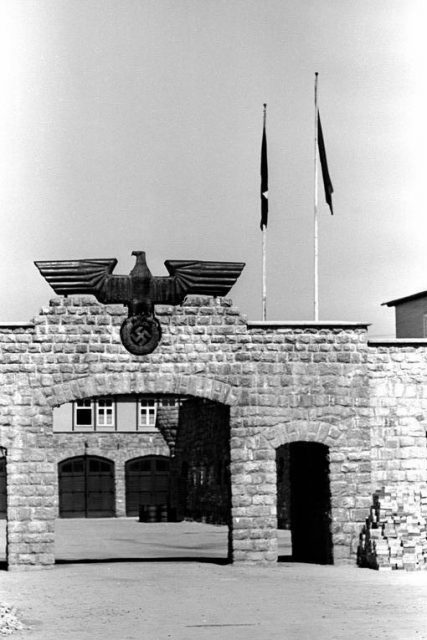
x=305 y=323
x=25 y=325
x=375 y=342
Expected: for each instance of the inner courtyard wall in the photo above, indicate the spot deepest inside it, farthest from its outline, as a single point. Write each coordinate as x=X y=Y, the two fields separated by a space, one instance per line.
x=283 y=382
x=117 y=447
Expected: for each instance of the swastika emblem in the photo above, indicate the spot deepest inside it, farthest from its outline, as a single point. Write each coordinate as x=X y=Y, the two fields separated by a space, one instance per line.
x=140 y=334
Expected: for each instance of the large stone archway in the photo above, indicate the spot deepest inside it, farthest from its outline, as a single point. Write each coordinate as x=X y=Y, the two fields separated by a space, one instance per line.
x=350 y=482
x=33 y=505
x=129 y=382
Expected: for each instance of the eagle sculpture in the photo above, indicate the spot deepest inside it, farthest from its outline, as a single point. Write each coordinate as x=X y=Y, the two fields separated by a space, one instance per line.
x=140 y=290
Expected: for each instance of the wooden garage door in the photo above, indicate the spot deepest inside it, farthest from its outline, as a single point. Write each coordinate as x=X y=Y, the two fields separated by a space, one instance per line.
x=86 y=487
x=2 y=488
x=147 y=483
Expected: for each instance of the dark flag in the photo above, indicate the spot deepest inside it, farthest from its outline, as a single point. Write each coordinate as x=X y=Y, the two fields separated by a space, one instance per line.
x=264 y=177
x=324 y=164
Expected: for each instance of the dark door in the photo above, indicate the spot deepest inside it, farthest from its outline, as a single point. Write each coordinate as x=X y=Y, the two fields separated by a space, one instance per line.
x=310 y=503
x=147 y=483
x=2 y=488
x=86 y=487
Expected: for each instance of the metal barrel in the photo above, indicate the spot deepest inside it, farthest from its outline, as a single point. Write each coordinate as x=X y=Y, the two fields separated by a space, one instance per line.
x=152 y=513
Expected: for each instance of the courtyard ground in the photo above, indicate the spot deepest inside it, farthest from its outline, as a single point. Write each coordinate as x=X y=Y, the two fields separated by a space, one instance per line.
x=123 y=580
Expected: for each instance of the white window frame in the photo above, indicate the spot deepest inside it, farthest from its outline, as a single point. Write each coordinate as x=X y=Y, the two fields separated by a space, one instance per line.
x=147 y=414
x=105 y=414
x=98 y=413
x=78 y=406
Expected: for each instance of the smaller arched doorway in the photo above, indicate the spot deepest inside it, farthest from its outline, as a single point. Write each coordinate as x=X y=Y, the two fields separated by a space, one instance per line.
x=304 y=500
x=147 y=483
x=86 y=487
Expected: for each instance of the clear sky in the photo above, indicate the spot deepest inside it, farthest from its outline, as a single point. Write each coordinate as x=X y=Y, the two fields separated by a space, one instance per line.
x=137 y=124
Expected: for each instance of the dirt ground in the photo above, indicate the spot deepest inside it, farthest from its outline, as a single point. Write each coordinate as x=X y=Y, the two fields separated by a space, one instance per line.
x=124 y=580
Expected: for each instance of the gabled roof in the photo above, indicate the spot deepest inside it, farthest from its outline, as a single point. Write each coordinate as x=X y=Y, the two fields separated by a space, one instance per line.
x=414 y=296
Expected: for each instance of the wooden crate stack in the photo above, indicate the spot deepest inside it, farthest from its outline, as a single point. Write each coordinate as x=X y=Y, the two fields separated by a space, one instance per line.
x=395 y=534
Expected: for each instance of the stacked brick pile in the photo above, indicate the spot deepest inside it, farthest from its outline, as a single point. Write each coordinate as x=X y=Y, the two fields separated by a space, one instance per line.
x=395 y=534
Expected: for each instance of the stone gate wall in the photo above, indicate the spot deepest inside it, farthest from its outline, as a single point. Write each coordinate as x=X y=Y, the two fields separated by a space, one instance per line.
x=283 y=382
x=395 y=532
x=398 y=400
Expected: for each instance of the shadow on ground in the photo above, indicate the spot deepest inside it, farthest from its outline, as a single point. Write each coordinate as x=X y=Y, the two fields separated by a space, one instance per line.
x=201 y=559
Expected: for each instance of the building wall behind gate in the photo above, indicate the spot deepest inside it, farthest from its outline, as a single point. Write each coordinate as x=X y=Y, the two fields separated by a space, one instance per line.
x=283 y=382
x=118 y=447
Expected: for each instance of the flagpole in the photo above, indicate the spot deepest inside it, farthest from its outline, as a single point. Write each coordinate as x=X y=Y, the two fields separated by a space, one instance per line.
x=264 y=273
x=316 y=229
x=264 y=249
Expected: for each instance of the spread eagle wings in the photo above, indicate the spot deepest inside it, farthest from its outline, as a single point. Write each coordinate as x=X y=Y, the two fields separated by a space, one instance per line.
x=195 y=277
x=94 y=276
x=73 y=277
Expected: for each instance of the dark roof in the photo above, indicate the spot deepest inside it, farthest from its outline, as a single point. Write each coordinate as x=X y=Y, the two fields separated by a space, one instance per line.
x=414 y=296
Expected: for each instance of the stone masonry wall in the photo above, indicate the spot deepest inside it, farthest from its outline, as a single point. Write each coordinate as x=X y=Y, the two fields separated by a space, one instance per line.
x=308 y=384
x=396 y=537
x=283 y=382
x=398 y=399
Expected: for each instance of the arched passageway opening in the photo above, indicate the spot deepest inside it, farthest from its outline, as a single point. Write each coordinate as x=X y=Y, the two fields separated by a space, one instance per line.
x=86 y=487
x=170 y=507
x=304 y=500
